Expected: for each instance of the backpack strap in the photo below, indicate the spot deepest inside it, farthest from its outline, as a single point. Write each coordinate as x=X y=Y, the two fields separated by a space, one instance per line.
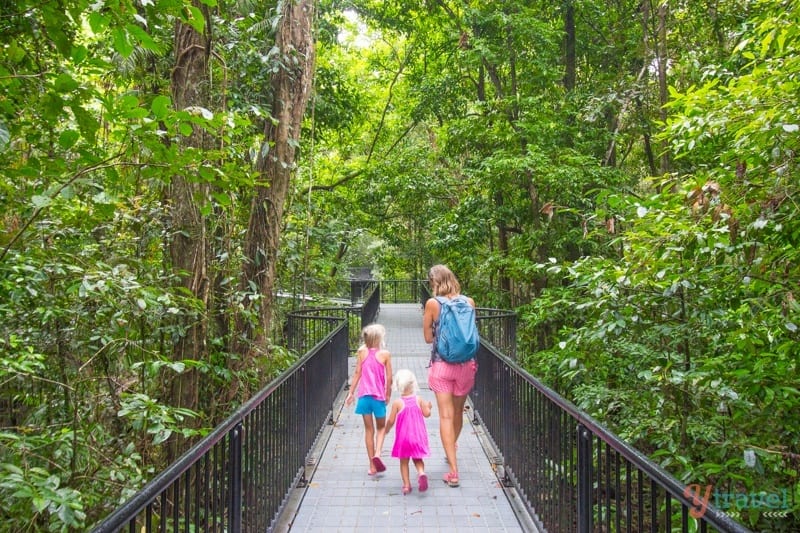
x=434 y=354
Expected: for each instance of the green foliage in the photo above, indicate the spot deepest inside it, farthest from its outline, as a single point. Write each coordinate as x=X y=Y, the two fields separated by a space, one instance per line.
x=60 y=506
x=665 y=306
x=682 y=343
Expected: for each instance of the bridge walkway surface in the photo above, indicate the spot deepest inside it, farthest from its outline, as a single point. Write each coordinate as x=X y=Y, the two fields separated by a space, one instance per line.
x=341 y=497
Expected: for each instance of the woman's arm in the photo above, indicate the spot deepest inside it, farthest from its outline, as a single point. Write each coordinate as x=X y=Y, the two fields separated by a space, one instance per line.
x=429 y=317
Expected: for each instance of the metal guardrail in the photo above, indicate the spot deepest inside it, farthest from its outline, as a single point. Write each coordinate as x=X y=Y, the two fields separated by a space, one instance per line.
x=399 y=291
x=498 y=327
x=305 y=328
x=371 y=307
x=238 y=477
x=571 y=472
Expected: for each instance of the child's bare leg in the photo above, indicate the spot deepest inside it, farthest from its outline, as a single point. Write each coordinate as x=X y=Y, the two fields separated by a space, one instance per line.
x=404 y=475
x=377 y=464
x=381 y=424
x=369 y=440
x=422 y=478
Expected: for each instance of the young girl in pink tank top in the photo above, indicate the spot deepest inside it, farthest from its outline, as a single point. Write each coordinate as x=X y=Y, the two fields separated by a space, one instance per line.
x=372 y=384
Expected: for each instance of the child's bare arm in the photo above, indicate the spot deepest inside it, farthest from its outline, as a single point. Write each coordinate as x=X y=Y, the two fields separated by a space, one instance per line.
x=396 y=406
x=356 y=378
x=425 y=406
x=388 y=365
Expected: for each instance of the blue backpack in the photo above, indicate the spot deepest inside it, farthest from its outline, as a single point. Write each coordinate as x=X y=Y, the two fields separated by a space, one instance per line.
x=457 y=337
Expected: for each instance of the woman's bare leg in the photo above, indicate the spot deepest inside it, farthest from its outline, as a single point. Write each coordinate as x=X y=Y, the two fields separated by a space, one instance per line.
x=458 y=415
x=447 y=427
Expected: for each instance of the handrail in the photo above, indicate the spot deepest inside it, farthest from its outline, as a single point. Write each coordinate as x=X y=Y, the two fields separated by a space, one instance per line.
x=571 y=472
x=570 y=469
x=248 y=464
x=372 y=304
x=399 y=291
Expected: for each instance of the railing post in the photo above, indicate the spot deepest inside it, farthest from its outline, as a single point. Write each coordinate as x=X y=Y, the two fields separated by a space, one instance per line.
x=235 y=477
x=584 y=479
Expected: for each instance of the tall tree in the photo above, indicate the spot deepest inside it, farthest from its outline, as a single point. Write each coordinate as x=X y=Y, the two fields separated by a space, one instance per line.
x=662 y=58
x=189 y=242
x=290 y=91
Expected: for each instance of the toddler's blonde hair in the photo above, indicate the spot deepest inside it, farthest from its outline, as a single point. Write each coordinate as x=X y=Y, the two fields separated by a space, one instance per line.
x=406 y=382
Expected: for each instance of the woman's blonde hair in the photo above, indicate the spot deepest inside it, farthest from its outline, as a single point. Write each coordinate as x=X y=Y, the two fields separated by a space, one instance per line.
x=443 y=281
x=374 y=336
x=406 y=382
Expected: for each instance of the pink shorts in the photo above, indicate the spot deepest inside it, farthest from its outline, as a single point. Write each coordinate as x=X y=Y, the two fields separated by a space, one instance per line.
x=456 y=378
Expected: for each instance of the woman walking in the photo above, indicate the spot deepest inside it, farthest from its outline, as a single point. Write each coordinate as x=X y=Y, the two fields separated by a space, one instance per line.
x=451 y=382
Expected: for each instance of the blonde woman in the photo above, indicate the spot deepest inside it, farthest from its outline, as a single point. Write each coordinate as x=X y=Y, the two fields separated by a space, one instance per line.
x=451 y=382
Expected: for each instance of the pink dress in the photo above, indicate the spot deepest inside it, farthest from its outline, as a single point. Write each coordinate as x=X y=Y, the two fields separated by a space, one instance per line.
x=411 y=436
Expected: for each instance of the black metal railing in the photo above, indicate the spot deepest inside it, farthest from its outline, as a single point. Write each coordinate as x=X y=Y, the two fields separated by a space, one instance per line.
x=498 y=327
x=400 y=291
x=306 y=327
x=238 y=477
x=572 y=473
x=360 y=289
x=393 y=291
x=371 y=307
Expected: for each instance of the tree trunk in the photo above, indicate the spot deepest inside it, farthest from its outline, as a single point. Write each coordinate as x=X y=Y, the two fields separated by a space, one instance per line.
x=663 y=95
x=290 y=91
x=569 y=46
x=188 y=244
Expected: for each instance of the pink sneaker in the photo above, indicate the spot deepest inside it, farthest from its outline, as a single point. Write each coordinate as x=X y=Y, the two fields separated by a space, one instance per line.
x=423 y=482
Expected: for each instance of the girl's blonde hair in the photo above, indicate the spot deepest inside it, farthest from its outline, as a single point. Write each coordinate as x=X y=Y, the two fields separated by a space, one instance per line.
x=374 y=336
x=406 y=382
x=443 y=281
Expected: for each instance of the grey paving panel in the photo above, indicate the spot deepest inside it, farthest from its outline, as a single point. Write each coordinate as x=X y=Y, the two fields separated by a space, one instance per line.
x=341 y=497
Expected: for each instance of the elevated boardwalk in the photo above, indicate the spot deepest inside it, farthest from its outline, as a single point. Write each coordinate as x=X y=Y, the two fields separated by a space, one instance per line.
x=341 y=497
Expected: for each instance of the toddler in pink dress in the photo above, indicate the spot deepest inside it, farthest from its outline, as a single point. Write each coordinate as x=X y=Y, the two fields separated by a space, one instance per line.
x=411 y=436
